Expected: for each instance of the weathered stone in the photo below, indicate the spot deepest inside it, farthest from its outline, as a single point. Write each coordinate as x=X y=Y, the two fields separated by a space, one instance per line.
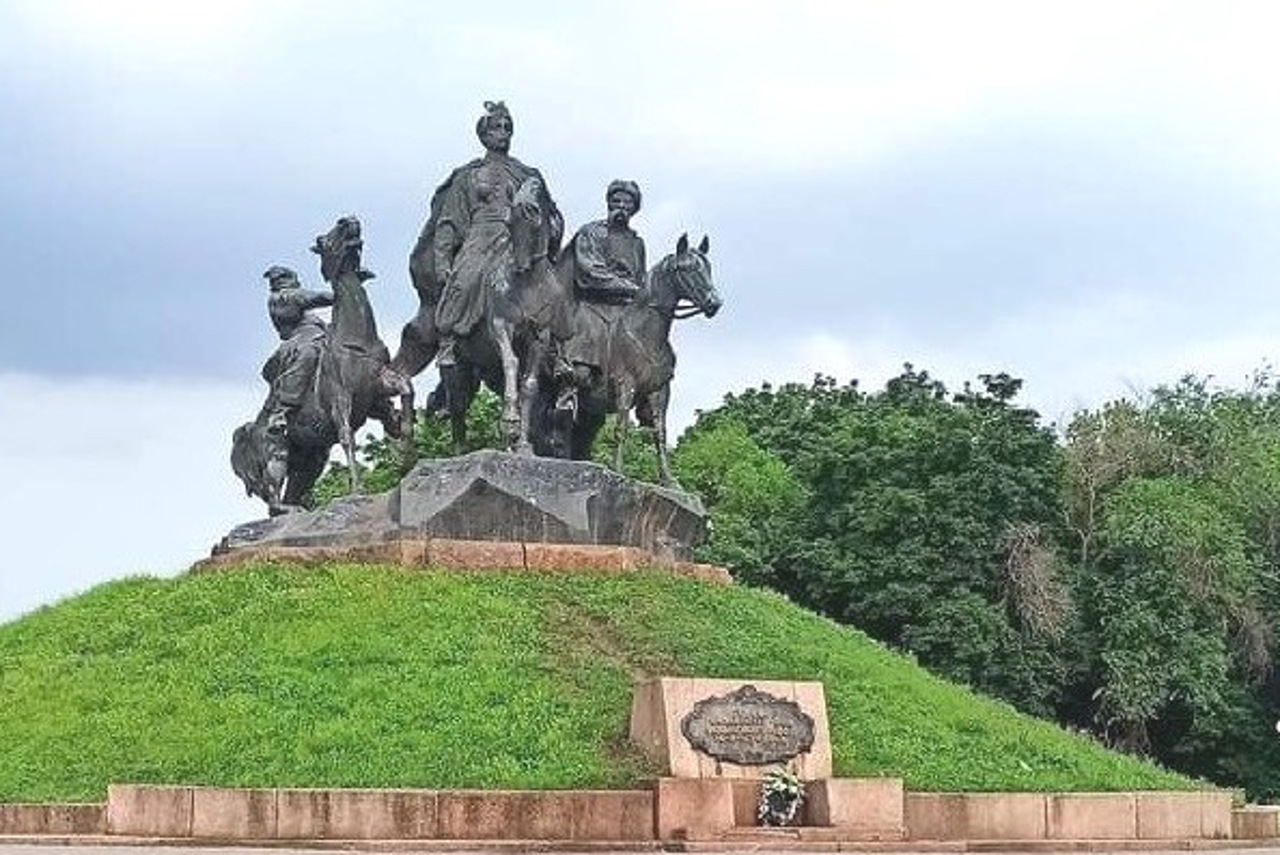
x=496 y=496
x=49 y=819
x=1255 y=822
x=149 y=811
x=475 y=554
x=865 y=808
x=660 y=705
x=348 y=521
x=691 y=807
x=491 y=495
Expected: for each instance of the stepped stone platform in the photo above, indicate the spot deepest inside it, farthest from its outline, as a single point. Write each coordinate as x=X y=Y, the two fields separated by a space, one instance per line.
x=490 y=510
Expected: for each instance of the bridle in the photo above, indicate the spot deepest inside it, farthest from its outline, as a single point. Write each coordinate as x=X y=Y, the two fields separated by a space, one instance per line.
x=684 y=307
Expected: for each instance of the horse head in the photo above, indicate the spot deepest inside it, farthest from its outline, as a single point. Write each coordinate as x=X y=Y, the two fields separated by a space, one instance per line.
x=339 y=250
x=681 y=283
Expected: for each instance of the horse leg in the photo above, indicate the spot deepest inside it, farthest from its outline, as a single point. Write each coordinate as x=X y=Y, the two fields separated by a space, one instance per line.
x=460 y=385
x=510 y=383
x=307 y=465
x=658 y=413
x=626 y=399
x=535 y=358
x=408 y=450
x=347 y=437
x=418 y=344
x=398 y=423
x=586 y=424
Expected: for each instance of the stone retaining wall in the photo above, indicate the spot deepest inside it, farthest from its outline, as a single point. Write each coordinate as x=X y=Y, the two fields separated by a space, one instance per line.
x=692 y=809
x=52 y=818
x=446 y=553
x=1255 y=822
x=1068 y=816
x=288 y=814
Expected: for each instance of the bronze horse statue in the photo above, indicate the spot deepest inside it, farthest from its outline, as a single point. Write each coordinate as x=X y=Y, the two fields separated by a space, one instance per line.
x=512 y=334
x=353 y=382
x=636 y=359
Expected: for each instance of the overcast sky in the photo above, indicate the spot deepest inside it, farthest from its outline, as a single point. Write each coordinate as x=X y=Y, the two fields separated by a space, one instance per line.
x=1086 y=195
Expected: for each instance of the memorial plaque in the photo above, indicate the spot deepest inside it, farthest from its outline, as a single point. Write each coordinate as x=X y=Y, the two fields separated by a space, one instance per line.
x=748 y=727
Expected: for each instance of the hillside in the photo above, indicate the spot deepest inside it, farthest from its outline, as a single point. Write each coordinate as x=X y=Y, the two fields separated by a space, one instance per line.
x=378 y=677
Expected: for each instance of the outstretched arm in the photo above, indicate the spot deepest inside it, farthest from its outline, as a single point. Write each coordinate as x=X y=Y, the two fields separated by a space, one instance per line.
x=315 y=299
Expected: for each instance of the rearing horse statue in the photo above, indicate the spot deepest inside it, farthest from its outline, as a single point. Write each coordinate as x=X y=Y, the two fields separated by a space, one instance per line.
x=353 y=382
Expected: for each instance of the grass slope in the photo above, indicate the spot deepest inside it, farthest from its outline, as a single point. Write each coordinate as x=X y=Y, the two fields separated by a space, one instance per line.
x=378 y=677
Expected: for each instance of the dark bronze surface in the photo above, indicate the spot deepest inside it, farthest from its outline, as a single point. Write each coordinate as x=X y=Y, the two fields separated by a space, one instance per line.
x=749 y=727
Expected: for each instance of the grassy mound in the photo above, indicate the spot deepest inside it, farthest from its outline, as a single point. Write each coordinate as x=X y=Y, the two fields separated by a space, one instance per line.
x=378 y=677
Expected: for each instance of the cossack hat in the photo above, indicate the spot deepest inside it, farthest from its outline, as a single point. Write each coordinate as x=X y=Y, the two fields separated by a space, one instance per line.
x=629 y=187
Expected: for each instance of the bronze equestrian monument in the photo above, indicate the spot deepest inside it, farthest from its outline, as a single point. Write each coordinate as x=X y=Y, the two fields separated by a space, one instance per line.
x=565 y=332
x=365 y=708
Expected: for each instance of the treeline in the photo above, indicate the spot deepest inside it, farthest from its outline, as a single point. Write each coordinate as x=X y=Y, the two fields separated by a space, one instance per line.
x=1119 y=576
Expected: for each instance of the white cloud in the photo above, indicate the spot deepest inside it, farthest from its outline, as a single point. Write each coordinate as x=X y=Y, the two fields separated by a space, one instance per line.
x=1069 y=357
x=801 y=86
x=106 y=478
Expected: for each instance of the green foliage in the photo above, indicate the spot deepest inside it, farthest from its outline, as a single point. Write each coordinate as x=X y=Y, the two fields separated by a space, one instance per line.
x=1122 y=580
x=755 y=502
x=1172 y=567
x=1174 y=509
x=897 y=515
x=639 y=456
x=376 y=677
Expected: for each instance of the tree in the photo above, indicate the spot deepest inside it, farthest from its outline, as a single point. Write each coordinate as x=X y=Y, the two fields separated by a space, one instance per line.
x=755 y=502
x=1173 y=504
x=910 y=495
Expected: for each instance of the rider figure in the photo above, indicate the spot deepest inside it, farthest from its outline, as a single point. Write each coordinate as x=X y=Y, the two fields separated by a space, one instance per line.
x=608 y=272
x=291 y=368
x=469 y=235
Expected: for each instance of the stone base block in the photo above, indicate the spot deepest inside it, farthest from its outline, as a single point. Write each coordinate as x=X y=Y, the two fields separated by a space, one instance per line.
x=1092 y=816
x=296 y=814
x=659 y=706
x=1166 y=816
x=145 y=811
x=560 y=556
x=470 y=555
x=52 y=819
x=496 y=496
x=975 y=816
x=356 y=814
x=475 y=554
x=222 y=814
x=546 y=815
x=746 y=801
x=693 y=807
x=1255 y=822
x=864 y=808
x=613 y=815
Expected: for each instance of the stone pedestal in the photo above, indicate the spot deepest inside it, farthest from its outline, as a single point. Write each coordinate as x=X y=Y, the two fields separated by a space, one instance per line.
x=499 y=497
x=661 y=706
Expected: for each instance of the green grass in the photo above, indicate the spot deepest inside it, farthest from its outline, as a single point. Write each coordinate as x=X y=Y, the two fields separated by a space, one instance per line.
x=379 y=677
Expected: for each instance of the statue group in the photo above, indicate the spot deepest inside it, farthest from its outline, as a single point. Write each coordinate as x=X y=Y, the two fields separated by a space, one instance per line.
x=564 y=334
